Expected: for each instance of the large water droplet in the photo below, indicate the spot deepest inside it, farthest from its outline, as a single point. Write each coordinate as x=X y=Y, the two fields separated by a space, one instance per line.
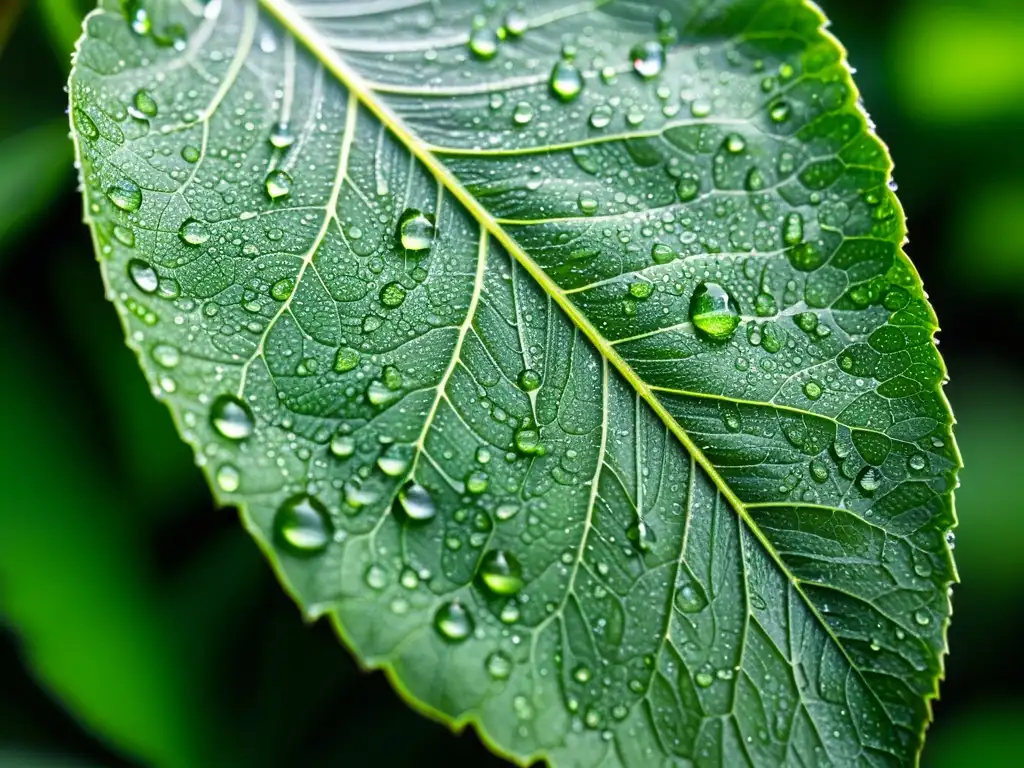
x=476 y=482
x=453 y=622
x=138 y=17
x=145 y=103
x=231 y=418
x=566 y=80
x=194 y=232
x=483 y=42
x=416 y=230
x=228 y=478
x=281 y=137
x=501 y=572
x=126 y=195
x=417 y=503
x=529 y=380
x=499 y=666
x=868 y=480
x=713 y=311
x=516 y=23
x=392 y=295
x=303 y=525
x=523 y=113
x=688 y=187
x=343 y=446
x=143 y=275
x=648 y=58
x=601 y=116
x=395 y=460
x=527 y=441
x=278 y=184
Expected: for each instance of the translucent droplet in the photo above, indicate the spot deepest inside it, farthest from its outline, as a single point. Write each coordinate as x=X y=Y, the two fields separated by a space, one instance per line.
x=704 y=679
x=166 y=356
x=483 y=43
x=346 y=359
x=376 y=578
x=499 y=666
x=700 y=108
x=303 y=525
x=282 y=289
x=145 y=103
x=194 y=232
x=868 y=480
x=713 y=311
x=916 y=462
x=812 y=390
x=392 y=295
x=735 y=144
x=922 y=618
x=85 y=125
x=416 y=230
x=779 y=112
x=124 y=236
x=516 y=23
x=278 y=184
x=523 y=113
x=343 y=446
x=793 y=230
x=501 y=572
x=566 y=80
x=190 y=153
x=396 y=460
x=138 y=17
x=527 y=441
x=581 y=674
x=506 y=511
x=662 y=254
x=228 y=478
x=476 y=482
x=529 y=380
x=587 y=203
x=601 y=116
x=231 y=418
x=648 y=58
x=142 y=274
x=126 y=195
x=453 y=622
x=281 y=137
x=640 y=289
x=417 y=503
x=380 y=394
x=688 y=187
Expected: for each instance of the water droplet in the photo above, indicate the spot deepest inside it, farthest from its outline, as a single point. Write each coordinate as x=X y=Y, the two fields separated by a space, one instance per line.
x=145 y=103
x=501 y=572
x=375 y=577
x=499 y=666
x=700 y=108
x=483 y=43
x=392 y=295
x=417 y=503
x=281 y=137
x=278 y=184
x=601 y=116
x=416 y=230
x=581 y=674
x=303 y=525
x=126 y=195
x=640 y=535
x=516 y=23
x=648 y=58
x=713 y=311
x=868 y=480
x=194 y=232
x=138 y=17
x=704 y=679
x=779 y=112
x=812 y=390
x=85 y=125
x=523 y=113
x=166 y=356
x=506 y=511
x=735 y=143
x=690 y=598
x=527 y=442
x=688 y=187
x=951 y=540
x=922 y=618
x=346 y=359
x=587 y=203
x=529 y=380
x=396 y=460
x=231 y=418
x=476 y=482
x=282 y=289
x=228 y=478
x=190 y=153
x=143 y=275
x=755 y=180
x=916 y=462
x=793 y=230
x=453 y=622
x=509 y=613
x=819 y=470
x=483 y=455
x=662 y=254
x=343 y=446
x=640 y=289
x=566 y=80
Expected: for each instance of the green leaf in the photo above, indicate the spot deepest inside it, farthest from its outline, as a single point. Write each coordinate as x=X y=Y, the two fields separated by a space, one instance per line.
x=567 y=359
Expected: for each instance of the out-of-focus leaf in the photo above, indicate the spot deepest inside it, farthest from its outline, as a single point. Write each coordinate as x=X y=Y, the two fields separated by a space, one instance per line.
x=16 y=758
x=73 y=580
x=989 y=233
x=986 y=735
x=991 y=436
x=9 y=12
x=959 y=61
x=567 y=414
x=35 y=165
x=63 y=21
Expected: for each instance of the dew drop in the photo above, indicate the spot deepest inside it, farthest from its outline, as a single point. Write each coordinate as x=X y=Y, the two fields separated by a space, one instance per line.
x=793 y=230
x=499 y=666
x=85 y=125
x=516 y=23
x=395 y=461
x=868 y=480
x=704 y=679
x=922 y=618
x=501 y=572
x=735 y=144
x=278 y=184
x=416 y=230
x=194 y=232
x=190 y=153
x=483 y=43
x=376 y=578
x=713 y=312
x=392 y=295
x=417 y=503
x=648 y=58
x=566 y=81
x=231 y=418
x=587 y=203
x=688 y=187
x=282 y=289
x=453 y=622
x=523 y=113
x=281 y=137
x=145 y=103
x=662 y=254
x=126 y=195
x=138 y=17
x=812 y=390
x=228 y=478
x=527 y=441
x=529 y=380
x=779 y=112
x=143 y=275
x=601 y=116
x=166 y=356
x=303 y=526
x=346 y=359
x=343 y=446
x=476 y=482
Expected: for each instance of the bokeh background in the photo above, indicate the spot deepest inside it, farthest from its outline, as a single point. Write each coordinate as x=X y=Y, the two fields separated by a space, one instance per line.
x=140 y=626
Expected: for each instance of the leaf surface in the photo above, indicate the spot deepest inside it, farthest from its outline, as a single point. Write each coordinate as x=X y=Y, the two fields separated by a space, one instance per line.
x=567 y=358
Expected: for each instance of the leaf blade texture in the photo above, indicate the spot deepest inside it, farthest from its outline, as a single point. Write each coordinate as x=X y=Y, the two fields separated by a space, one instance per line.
x=568 y=359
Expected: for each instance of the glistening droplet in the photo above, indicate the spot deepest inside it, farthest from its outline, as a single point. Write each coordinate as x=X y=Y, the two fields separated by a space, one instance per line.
x=303 y=526
x=501 y=572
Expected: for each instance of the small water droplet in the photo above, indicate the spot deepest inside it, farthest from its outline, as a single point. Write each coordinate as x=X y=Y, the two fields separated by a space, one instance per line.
x=581 y=674
x=523 y=113
x=126 y=195
x=601 y=116
x=688 y=187
x=392 y=295
x=190 y=153
x=166 y=356
x=527 y=441
x=713 y=312
x=566 y=80
x=228 y=478
x=499 y=666
x=793 y=230
x=303 y=525
x=529 y=380
x=735 y=143
x=85 y=125
x=145 y=103
x=922 y=618
x=587 y=203
x=483 y=43
x=138 y=17
x=143 y=275
x=812 y=390
x=868 y=480
x=704 y=679
x=779 y=112
x=453 y=622
x=501 y=572
x=516 y=23
x=231 y=418
x=281 y=137
x=343 y=446
x=476 y=482
x=376 y=578
x=662 y=254
x=278 y=184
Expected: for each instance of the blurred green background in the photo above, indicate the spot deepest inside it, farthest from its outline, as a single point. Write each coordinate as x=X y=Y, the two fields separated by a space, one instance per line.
x=140 y=626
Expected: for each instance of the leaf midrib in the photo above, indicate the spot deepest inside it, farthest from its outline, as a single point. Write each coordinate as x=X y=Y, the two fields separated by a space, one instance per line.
x=289 y=16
